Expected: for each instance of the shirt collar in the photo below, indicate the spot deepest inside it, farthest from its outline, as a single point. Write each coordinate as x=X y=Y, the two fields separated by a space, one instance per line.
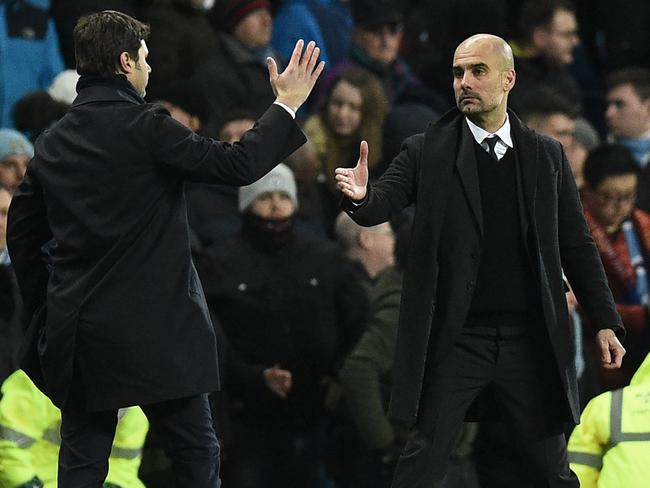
x=480 y=134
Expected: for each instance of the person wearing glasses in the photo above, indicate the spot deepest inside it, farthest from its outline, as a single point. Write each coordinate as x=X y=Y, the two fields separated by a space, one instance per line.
x=622 y=234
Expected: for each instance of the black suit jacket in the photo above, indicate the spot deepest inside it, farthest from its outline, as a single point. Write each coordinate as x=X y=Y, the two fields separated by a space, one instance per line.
x=437 y=171
x=104 y=193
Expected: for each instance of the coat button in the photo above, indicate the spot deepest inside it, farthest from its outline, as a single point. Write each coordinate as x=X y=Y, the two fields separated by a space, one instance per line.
x=470 y=285
x=474 y=255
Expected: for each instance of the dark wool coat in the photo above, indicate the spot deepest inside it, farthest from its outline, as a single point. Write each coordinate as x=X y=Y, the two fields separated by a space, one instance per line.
x=299 y=306
x=437 y=171
x=104 y=192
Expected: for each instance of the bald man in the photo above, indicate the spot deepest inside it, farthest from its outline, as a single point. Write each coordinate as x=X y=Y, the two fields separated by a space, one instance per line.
x=483 y=310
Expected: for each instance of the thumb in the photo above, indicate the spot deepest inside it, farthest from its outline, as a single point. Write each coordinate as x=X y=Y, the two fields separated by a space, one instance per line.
x=272 y=67
x=363 y=154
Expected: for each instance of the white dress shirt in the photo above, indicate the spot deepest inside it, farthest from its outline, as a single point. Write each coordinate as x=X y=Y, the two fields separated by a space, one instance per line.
x=505 y=138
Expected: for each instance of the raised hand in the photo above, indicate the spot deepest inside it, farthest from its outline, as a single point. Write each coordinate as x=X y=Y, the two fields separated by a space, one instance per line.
x=295 y=83
x=353 y=182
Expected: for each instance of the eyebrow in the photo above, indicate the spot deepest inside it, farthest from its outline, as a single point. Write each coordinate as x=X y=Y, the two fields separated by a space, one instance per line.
x=471 y=66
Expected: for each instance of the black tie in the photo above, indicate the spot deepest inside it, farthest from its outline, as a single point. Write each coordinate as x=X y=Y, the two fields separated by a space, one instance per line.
x=492 y=142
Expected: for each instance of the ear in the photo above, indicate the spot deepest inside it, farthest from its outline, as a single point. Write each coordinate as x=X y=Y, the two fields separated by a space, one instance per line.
x=509 y=80
x=126 y=63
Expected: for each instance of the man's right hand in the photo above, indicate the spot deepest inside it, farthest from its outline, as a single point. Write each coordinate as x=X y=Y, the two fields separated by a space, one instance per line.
x=353 y=182
x=294 y=84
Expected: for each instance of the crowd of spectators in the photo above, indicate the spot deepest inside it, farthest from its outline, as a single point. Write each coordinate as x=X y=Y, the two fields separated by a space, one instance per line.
x=305 y=301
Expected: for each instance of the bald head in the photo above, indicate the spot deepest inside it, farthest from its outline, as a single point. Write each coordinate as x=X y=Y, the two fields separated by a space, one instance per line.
x=489 y=43
x=484 y=74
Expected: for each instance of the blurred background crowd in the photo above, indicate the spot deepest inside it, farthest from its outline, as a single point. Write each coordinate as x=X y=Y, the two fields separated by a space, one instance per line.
x=305 y=301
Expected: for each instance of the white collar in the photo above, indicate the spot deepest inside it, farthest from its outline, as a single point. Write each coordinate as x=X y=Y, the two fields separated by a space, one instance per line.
x=480 y=134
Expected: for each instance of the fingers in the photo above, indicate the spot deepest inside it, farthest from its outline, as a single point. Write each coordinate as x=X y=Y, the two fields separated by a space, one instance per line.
x=313 y=58
x=317 y=72
x=295 y=55
x=305 y=59
x=605 y=356
x=363 y=153
x=344 y=182
x=617 y=353
x=272 y=67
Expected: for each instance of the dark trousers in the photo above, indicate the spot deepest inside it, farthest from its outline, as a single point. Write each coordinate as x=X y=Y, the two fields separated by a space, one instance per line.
x=519 y=366
x=185 y=427
x=267 y=456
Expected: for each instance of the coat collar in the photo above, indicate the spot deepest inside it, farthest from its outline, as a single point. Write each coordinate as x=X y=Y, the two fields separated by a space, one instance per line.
x=116 y=88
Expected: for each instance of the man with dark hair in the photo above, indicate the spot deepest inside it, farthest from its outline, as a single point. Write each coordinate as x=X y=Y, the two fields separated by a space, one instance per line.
x=497 y=221
x=628 y=111
x=548 y=34
x=552 y=115
x=98 y=237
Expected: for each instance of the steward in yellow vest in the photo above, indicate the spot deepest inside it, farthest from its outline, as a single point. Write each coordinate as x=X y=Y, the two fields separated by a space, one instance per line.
x=611 y=446
x=29 y=439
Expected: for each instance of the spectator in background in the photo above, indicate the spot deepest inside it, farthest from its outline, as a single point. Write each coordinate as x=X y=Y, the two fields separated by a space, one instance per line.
x=611 y=445
x=64 y=86
x=353 y=110
x=184 y=103
x=28 y=455
x=585 y=139
x=182 y=38
x=628 y=120
x=328 y=22
x=548 y=36
x=628 y=111
x=35 y=112
x=235 y=74
x=287 y=304
x=622 y=235
x=29 y=52
x=11 y=327
x=551 y=114
x=15 y=153
x=376 y=40
x=372 y=248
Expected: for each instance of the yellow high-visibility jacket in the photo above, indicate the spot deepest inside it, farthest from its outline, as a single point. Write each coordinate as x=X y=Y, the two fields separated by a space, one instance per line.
x=611 y=446
x=29 y=438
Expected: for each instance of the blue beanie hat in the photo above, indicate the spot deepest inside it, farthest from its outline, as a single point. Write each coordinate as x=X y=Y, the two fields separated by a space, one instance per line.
x=13 y=142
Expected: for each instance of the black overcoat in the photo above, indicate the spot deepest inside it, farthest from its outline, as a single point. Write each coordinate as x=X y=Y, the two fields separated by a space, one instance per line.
x=437 y=171
x=104 y=195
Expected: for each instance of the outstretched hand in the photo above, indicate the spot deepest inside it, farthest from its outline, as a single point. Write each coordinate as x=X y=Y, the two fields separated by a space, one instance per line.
x=353 y=181
x=611 y=350
x=295 y=83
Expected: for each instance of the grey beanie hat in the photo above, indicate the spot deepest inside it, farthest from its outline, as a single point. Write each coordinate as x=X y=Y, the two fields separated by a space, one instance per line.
x=279 y=179
x=585 y=134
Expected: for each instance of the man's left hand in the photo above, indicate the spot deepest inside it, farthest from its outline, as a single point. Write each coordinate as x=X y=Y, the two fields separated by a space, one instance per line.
x=611 y=350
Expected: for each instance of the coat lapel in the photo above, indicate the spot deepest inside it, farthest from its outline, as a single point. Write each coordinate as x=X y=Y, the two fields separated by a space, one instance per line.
x=527 y=156
x=466 y=164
